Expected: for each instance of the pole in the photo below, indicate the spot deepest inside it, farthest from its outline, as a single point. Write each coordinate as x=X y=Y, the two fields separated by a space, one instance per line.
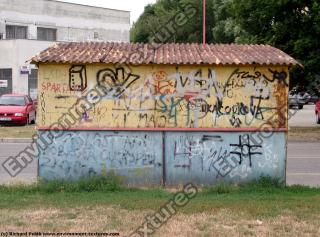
x=204 y=22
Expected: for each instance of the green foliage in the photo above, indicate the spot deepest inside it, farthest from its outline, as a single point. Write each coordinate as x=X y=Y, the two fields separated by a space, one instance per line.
x=220 y=188
x=262 y=184
x=266 y=182
x=264 y=198
x=291 y=25
x=105 y=183
x=112 y=183
x=261 y=187
x=157 y=19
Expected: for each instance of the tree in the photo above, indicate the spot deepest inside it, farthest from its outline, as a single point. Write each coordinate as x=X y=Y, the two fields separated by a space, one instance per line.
x=290 y=25
x=157 y=16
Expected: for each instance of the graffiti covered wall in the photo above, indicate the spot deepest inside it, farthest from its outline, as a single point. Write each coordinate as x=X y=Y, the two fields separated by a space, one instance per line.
x=159 y=102
x=166 y=96
x=208 y=158
x=203 y=158
x=134 y=155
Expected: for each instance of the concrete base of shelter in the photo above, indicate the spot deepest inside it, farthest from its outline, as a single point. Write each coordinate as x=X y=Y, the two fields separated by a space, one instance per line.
x=170 y=158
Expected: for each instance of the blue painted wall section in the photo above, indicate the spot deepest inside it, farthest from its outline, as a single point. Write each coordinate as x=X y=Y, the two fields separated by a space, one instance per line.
x=202 y=158
x=208 y=158
x=137 y=156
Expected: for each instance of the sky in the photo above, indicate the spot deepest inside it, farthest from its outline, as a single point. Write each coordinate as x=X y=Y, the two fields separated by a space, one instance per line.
x=136 y=7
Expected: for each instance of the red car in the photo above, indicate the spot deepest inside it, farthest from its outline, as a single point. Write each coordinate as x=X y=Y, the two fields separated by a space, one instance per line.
x=318 y=112
x=17 y=109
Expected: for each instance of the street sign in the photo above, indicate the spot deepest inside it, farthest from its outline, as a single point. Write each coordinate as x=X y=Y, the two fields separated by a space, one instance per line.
x=25 y=70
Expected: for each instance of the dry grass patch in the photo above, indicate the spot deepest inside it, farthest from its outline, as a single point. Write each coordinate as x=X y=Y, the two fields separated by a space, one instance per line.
x=97 y=219
x=308 y=134
x=17 y=131
x=226 y=223
x=222 y=222
x=262 y=208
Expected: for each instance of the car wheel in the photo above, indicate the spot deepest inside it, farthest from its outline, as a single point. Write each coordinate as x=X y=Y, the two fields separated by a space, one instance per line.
x=28 y=121
x=318 y=118
x=300 y=106
x=34 y=119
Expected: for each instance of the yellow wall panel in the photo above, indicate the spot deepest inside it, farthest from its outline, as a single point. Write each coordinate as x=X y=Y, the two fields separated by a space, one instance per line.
x=153 y=96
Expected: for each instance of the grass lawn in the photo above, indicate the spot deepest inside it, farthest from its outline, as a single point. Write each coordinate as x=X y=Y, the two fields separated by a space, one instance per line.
x=252 y=210
x=17 y=131
x=310 y=134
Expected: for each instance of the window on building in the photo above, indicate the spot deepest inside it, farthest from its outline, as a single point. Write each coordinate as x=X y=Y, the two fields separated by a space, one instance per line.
x=16 y=32
x=47 y=34
x=96 y=35
x=5 y=81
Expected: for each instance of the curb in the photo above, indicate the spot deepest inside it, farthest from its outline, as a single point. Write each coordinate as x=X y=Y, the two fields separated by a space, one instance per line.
x=15 y=140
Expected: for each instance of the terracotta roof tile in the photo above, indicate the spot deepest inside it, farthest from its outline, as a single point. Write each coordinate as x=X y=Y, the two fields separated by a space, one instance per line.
x=136 y=54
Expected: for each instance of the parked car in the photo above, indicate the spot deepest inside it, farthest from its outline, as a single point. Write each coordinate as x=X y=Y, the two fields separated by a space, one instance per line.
x=296 y=100
x=17 y=109
x=309 y=98
x=313 y=99
x=317 y=110
x=306 y=97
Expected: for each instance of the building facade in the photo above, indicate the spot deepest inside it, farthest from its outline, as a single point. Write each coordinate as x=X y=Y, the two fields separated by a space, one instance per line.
x=28 y=27
x=178 y=113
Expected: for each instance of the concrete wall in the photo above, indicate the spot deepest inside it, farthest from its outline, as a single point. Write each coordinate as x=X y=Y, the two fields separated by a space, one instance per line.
x=231 y=157
x=171 y=124
x=151 y=158
x=135 y=155
x=73 y=22
x=14 y=53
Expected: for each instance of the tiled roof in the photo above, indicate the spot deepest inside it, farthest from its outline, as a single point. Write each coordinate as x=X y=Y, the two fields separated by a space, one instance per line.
x=136 y=54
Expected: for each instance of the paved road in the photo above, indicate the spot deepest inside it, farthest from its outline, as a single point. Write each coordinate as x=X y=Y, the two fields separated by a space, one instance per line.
x=28 y=175
x=303 y=166
x=304 y=117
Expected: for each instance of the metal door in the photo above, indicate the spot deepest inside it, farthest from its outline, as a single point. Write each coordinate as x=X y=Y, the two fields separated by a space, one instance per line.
x=33 y=84
x=5 y=81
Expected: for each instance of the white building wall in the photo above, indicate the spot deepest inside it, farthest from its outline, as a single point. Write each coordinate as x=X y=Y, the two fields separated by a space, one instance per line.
x=14 y=54
x=73 y=22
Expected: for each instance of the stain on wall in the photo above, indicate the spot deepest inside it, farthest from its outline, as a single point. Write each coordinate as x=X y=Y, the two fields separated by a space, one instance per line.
x=201 y=158
x=167 y=96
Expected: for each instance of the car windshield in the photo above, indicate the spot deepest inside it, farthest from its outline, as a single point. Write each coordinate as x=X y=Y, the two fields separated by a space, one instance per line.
x=12 y=100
